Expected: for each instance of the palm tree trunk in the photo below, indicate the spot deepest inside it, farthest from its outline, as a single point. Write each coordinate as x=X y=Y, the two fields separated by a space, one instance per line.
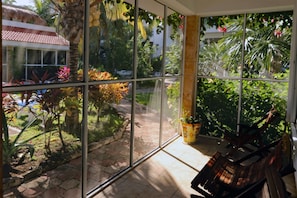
x=72 y=120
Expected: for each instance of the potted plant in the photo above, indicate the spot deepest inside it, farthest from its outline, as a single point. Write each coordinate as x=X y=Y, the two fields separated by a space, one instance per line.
x=190 y=127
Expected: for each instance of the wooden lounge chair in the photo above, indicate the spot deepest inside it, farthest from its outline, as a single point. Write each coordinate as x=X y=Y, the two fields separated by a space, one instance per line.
x=221 y=177
x=273 y=186
x=248 y=134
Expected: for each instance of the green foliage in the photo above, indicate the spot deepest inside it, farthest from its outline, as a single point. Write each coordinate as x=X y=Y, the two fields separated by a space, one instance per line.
x=157 y=63
x=115 y=48
x=267 y=43
x=145 y=52
x=174 y=57
x=176 y=21
x=257 y=19
x=173 y=96
x=266 y=55
x=143 y=98
x=12 y=147
x=217 y=103
x=110 y=123
x=44 y=9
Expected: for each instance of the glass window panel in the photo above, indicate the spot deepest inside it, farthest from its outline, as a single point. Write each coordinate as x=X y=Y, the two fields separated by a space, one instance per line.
x=264 y=74
x=147 y=117
x=150 y=45
x=258 y=98
x=49 y=57
x=15 y=65
x=174 y=42
x=111 y=40
x=171 y=108
x=109 y=116
x=217 y=105
x=61 y=57
x=4 y=55
x=33 y=56
x=220 y=46
x=4 y=65
x=268 y=40
x=37 y=120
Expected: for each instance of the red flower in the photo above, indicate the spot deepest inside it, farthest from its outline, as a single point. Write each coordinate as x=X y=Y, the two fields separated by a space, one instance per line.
x=222 y=29
x=64 y=73
x=278 y=33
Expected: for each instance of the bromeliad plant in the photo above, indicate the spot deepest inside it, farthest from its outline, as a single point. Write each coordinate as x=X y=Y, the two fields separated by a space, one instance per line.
x=13 y=147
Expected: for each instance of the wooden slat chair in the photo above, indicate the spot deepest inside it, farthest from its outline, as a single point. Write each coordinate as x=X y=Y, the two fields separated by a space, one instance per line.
x=274 y=186
x=221 y=177
x=248 y=134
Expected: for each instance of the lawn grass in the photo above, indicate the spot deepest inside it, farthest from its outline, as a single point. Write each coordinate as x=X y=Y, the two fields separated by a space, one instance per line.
x=48 y=146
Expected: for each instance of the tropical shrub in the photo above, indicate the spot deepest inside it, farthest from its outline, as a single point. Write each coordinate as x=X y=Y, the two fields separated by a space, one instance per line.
x=102 y=95
x=217 y=103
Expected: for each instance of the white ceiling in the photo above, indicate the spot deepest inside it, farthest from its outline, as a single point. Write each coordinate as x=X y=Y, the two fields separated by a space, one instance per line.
x=217 y=7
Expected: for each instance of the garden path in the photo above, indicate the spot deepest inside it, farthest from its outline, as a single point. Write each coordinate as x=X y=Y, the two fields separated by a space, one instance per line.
x=65 y=180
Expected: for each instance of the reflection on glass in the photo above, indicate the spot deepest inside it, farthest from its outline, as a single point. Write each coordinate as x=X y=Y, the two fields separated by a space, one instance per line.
x=38 y=149
x=171 y=107
x=109 y=116
x=147 y=117
x=174 y=42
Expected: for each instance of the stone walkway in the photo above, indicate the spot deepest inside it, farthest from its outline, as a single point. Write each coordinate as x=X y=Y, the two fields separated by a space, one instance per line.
x=64 y=181
x=168 y=174
x=103 y=163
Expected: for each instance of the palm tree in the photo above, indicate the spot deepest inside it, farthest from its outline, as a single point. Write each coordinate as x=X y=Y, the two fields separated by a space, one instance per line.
x=71 y=17
x=45 y=10
x=266 y=45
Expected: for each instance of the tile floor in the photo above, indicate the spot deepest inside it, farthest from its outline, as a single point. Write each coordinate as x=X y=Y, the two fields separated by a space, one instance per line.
x=168 y=173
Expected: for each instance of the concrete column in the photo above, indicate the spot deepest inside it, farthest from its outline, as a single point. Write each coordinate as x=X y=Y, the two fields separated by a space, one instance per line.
x=190 y=64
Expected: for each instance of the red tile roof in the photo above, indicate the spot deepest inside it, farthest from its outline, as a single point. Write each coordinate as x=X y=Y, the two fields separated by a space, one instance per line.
x=18 y=34
x=21 y=14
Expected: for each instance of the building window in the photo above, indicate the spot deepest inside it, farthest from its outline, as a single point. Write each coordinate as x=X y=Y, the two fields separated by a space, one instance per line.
x=49 y=57
x=33 y=56
x=61 y=57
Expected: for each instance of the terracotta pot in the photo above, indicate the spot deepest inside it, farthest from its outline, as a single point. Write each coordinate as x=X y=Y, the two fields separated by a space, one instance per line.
x=190 y=132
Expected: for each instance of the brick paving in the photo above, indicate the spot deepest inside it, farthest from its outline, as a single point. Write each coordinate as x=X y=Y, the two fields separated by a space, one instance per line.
x=65 y=180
